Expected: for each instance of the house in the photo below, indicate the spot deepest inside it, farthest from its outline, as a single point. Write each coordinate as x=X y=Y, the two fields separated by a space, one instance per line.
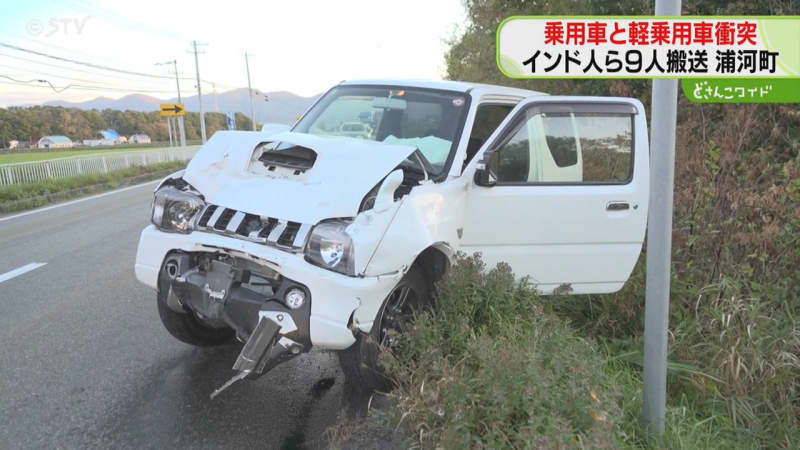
x=139 y=139
x=13 y=144
x=54 y=142
x=97 y=142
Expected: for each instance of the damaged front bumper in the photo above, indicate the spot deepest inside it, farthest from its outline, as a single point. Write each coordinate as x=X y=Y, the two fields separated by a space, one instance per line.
x=228 y=291
x=231 y=292
x=243 y=285
x=338 y=303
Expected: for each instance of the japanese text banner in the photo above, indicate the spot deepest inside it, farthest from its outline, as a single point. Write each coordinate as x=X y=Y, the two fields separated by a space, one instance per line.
x=649 y=47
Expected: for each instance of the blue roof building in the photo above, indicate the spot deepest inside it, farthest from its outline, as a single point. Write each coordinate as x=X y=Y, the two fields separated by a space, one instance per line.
x=110 y=135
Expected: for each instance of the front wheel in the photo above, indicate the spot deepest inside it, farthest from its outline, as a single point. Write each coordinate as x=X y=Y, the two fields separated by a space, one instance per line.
x=360 y=362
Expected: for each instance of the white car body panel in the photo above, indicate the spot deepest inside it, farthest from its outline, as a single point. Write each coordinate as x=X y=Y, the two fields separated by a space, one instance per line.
x=562 y=236
x=226 y=172
x=559 y=235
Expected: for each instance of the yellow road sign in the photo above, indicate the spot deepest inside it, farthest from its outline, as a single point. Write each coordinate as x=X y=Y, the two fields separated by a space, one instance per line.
x=172 y=109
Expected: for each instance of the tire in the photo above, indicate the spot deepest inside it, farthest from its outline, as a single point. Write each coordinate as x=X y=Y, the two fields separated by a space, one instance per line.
x=186 y=327
x=360 y=361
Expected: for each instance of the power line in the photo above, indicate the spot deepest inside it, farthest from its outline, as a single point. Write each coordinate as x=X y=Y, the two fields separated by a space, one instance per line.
x=83 y=63
x=5 y=35
x=72 y=87
x=101 y=67
x=76 y=86
x=73 y=69
x=27 y=82
x=83 y=80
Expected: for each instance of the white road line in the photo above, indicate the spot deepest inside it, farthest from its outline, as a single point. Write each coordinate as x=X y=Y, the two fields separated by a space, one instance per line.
x=19 y=271
x=72 y=202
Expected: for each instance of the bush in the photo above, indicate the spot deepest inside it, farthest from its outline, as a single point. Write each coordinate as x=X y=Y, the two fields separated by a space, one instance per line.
x=491 y=369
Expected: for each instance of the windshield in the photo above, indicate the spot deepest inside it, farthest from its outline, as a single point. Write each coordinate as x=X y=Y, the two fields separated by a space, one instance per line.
x=428 y=120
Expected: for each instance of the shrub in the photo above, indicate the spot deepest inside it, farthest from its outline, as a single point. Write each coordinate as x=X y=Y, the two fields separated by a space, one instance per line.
x=491 y=369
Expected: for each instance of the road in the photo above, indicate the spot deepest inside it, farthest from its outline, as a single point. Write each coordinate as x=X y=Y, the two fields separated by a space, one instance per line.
x=85 y=361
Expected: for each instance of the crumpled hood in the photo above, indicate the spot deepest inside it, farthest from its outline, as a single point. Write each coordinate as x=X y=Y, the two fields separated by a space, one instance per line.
x=227 y=172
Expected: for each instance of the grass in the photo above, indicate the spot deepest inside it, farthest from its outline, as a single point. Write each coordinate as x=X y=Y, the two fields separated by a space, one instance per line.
x=9 y=158
x=733 y=353
x=492 y=369
x=497 y=366
x=26 y=196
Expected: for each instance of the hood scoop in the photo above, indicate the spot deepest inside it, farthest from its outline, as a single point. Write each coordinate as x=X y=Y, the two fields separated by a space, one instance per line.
x=291 y=176
x=295 y=157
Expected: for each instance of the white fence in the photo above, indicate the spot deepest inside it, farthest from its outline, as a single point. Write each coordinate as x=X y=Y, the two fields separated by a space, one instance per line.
x=31 y=172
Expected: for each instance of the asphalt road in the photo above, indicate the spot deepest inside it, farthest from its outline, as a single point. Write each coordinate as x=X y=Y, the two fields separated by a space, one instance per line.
x=85 y=361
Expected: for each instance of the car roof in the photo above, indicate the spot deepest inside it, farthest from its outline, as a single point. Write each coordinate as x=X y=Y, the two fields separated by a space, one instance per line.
x=447 y=85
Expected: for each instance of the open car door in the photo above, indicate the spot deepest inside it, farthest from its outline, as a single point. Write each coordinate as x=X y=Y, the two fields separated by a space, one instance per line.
x=560 y=193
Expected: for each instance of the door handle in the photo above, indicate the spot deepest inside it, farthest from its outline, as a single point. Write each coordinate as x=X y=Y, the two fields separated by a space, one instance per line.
x=617 y=206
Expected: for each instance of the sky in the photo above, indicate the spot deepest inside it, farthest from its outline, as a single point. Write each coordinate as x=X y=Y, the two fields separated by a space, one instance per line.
x=298 y=46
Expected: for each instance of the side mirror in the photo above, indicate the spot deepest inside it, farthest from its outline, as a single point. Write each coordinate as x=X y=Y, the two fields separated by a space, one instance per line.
x=483 y=176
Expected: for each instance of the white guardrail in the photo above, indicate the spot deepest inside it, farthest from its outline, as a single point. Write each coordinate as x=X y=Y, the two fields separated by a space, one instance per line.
x=34 y=171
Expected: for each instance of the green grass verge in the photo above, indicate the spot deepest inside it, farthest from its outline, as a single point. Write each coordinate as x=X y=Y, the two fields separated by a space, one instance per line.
x=26 y=196
x=9 y=158
x=495 y=366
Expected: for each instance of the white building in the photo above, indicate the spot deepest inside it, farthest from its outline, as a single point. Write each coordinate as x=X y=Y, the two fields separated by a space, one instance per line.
x=97 y=142
x=54 y=142
x=139 y=139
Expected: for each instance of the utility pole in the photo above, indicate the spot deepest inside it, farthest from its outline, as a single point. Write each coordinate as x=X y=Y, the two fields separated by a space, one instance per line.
x=216 y=101
x=250 y=91
x=180 y=131
x=199 y=93
x=659 y=240
x=169 y=130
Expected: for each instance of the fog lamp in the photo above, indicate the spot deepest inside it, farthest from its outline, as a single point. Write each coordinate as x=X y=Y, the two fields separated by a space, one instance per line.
x=295 y=298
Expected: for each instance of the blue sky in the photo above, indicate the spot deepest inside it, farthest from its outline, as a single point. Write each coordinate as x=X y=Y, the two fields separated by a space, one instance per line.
x=298 y=46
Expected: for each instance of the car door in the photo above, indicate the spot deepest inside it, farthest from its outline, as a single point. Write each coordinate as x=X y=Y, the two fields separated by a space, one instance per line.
x=560 y=192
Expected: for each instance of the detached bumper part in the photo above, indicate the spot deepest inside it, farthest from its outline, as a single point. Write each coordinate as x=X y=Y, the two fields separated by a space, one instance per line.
x=262 y=351
x=245 y=297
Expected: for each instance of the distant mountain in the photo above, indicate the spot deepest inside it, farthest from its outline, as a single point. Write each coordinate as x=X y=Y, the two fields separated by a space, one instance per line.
x=135 y=102
x=282 y=106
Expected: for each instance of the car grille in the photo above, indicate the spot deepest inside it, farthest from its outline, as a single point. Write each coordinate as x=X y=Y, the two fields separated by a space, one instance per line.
x=282 y=234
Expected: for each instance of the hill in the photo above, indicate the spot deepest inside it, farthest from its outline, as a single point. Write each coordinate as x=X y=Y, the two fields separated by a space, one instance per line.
x=282 y=106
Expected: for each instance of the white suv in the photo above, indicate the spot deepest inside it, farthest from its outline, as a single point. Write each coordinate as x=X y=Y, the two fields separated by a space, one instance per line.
x=301 y=238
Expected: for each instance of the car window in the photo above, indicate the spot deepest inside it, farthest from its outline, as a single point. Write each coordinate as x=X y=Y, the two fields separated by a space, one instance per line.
x=487 y=118
x=567 y=147
x=426 y=119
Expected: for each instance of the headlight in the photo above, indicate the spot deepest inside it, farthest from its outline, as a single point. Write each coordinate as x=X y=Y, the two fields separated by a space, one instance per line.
x=174 y=210
x=330 y=247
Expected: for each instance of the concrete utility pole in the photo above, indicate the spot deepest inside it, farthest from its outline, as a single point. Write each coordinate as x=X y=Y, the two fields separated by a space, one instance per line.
x=250 y=91
x=216 y=100
x=181 y=131
x=659 y=240
x=199 y=93
x=169 y=131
